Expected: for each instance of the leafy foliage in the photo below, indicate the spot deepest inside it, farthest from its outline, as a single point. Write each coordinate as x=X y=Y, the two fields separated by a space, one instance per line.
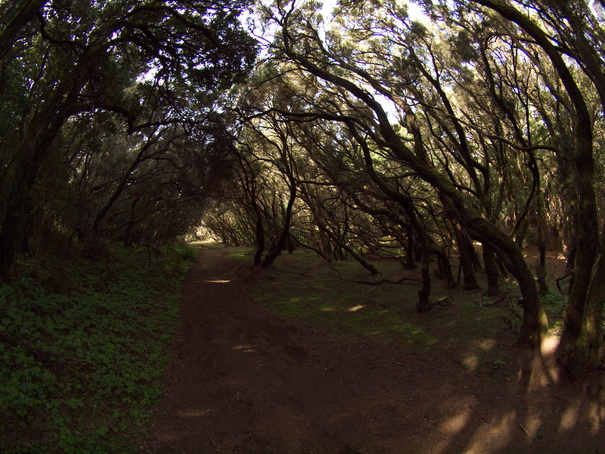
x=80 y=367
x=434 y=130
x=554 y=304
x=115 y=103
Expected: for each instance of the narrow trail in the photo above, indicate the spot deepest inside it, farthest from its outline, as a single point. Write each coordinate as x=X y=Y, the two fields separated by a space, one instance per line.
x=246 y=380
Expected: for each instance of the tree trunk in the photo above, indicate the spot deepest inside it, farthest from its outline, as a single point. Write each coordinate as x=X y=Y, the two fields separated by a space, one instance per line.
x=19 y=14
x=586 y=354
x=474 y=257
x=541 y=272
x=491 y=271
x=574 y=316
x=580 y=346
x=542 y=287
x=580 y=158
x=454 y=202
x=260 y=239
x=278 y=246
x=96 y=225
x=445 y=269
x=7 y=246
x=424 y=305
x=535 y=323
x=16 y=216
x=410 y=262
x=464 y=250
x=340 y=245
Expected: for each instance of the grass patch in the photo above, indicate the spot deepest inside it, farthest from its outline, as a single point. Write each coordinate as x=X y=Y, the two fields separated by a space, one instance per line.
x=472 y=327
x=241 y=256
x=554 y=304
x=83 y=346
x=304 y=287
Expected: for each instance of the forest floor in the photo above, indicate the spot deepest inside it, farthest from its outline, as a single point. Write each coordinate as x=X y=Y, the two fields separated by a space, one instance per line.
x=244 y=379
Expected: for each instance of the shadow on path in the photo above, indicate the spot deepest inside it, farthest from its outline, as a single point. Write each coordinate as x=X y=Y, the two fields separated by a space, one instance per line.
x=246 y=380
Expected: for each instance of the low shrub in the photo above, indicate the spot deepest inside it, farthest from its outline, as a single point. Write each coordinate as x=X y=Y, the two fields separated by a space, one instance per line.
x=83 y=346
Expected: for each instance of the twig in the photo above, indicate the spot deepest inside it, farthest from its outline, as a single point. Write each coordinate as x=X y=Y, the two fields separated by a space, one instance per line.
x=386 y=281
x=559 y=280
x=383 y=281
x=513 y=311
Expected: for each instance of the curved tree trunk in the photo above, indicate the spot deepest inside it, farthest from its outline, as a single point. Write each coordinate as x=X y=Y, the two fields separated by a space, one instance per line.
x=454 y=201
x=573 y=351
x=279 y=245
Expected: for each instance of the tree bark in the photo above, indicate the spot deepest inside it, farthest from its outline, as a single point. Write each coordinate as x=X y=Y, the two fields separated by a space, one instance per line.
x=424 y=304
x=410 y=261
x=445 y=269
x=19 y=14
x=468 y=269
x=491 y=271
x=19 y=180
x=454 y=202
x=278 y=246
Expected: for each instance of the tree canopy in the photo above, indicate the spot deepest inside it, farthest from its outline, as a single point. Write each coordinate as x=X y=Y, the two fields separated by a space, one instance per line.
x=110 y=116
x=474 y=128
x=457 y=136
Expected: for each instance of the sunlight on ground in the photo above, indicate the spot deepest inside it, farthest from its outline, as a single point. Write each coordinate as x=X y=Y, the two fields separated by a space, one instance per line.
x=582 y=409
x=492 y=437
x=245 y=348
x=532 y=423
x=597 y=419
x=455 y=424
x=217 y=281
x=541 y=371
x=473 y=360
x=549 y=345
x=569 y=417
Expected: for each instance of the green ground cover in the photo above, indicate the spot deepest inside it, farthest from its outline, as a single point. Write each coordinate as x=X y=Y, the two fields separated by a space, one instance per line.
x=339 y=298
x=83 y=346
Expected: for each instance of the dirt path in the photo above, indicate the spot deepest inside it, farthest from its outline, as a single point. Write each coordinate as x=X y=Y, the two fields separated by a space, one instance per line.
x=245 y=380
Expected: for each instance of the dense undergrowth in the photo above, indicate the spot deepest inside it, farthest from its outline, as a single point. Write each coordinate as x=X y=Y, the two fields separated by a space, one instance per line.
x=83 y=345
